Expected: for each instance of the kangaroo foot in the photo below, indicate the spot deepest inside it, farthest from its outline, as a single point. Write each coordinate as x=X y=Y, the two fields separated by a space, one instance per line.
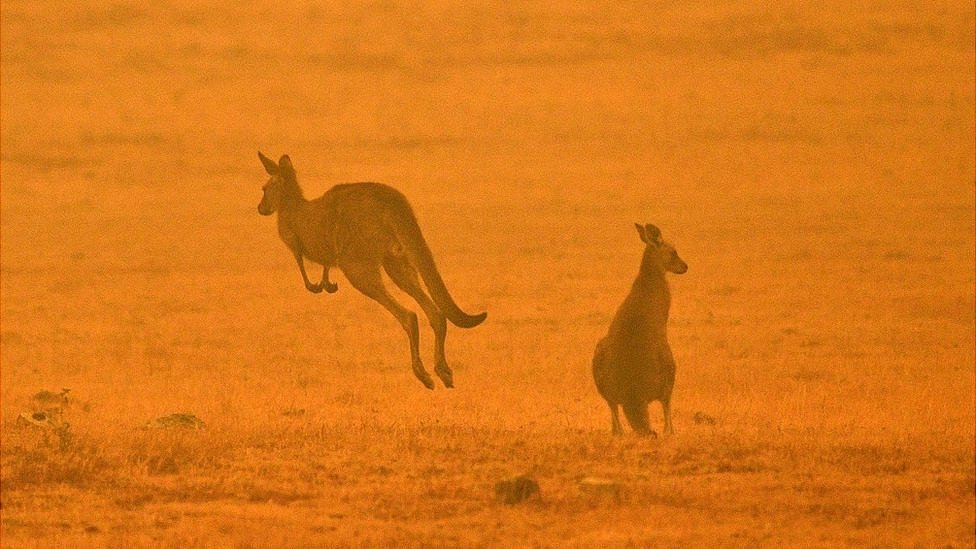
x=444 y=372
x=423 y=376
x=327 y=284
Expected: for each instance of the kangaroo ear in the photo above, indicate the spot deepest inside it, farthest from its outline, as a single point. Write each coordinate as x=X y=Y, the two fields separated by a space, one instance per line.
x=649 y=234
x=640 y=232
x=269 y=165
x=285 y=165
x=652 y=233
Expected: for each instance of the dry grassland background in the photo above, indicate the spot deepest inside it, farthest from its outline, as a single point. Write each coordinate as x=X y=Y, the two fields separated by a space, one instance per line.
x=813 y=165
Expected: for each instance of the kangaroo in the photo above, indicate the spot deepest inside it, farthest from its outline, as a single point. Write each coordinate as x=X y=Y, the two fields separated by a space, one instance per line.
x=633 y=365
x=363 y=228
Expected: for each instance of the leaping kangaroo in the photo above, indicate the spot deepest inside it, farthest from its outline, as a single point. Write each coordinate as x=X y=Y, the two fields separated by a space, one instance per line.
x=362 y=228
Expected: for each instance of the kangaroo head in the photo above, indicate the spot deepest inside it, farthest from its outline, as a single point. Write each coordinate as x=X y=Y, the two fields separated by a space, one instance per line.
x=281 y=180
x=662 y=254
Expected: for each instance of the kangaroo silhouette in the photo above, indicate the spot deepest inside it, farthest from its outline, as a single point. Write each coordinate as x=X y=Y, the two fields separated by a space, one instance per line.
x=633 y=365
x=363 y=229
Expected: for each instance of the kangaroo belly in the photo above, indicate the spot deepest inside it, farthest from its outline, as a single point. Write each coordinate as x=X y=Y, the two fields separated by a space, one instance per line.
x=606 y=375
x=656 y=374
x=632 y=371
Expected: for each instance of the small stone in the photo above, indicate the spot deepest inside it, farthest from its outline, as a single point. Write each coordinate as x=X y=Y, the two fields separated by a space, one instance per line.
x=51 y=398
x=702 y=418
x=176 y=421
x=44 y=419
x=516 y=490
x=601 y=487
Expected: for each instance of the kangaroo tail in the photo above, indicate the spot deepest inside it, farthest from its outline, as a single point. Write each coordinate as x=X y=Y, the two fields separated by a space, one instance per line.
x=419 y=253
x=637 y=417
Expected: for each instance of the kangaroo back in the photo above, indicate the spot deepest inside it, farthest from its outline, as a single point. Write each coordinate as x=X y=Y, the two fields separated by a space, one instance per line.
x=408 y=233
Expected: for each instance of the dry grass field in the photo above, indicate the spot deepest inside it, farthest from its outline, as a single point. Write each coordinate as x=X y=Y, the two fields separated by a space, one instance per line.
x=813 y=165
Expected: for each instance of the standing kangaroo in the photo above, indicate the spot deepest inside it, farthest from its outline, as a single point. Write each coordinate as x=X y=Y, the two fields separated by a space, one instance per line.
x=362 y=228
x=633 y=365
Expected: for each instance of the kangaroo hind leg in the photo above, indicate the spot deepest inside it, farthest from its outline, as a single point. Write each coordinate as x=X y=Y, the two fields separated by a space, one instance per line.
x=615 y=418
x=404 y=275
x=666 y=408
x=367 y=279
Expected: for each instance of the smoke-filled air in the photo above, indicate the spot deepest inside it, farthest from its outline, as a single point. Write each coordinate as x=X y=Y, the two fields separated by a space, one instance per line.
x=487 y=274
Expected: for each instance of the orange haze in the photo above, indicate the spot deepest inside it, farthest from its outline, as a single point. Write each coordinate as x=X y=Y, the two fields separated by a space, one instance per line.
x=813 y=165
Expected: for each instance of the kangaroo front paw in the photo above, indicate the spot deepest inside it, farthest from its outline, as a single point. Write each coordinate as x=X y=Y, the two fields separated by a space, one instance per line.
x=315 y=289
x=331 y=287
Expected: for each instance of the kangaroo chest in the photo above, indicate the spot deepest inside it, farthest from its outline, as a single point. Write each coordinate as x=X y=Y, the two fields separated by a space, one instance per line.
x=302 y=239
